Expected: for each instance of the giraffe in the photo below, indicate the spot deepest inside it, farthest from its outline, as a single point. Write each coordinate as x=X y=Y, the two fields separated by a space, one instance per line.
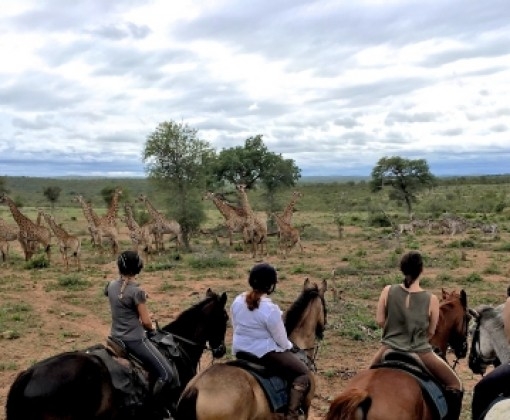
x=110 y=218
x=67 y=242
x=289 y=210
x=254 y=231
x=29 y=232
x=91 y=217
x=234 y=216
x=99 y=227
x=160 y=225
x=8 y=234
x=140 y=235
x=289 y=235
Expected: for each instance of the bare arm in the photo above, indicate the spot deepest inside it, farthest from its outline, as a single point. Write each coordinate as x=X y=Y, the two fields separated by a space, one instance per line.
x=506 y=319
x=144 y=315
x=380 y=315
x=433 y=315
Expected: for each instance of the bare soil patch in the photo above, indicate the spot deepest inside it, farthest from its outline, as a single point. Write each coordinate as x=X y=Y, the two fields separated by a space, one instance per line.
x=47 y=317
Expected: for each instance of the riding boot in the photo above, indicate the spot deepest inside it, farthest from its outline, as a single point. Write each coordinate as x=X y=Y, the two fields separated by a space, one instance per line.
x=454 y=401
x=162 y=402
x=296 y=397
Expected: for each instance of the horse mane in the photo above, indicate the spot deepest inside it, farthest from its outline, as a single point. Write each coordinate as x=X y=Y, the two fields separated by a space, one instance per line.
x=295 y=312
x=189 y=316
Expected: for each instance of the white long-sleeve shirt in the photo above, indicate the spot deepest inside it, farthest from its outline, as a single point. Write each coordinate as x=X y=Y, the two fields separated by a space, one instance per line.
x=259 y=331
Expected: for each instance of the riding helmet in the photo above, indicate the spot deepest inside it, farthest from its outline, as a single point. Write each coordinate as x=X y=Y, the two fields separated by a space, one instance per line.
x=129 y=263
x=263 y=278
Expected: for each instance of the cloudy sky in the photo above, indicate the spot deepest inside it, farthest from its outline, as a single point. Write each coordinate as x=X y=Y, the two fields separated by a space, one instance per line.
x=334 y=85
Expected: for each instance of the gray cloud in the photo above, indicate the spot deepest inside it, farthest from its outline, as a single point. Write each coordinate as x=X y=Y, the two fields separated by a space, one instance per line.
x=98 y=78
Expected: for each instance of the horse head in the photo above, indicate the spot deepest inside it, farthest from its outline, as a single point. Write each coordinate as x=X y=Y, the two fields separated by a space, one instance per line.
x=486 y=331
x=216 y=323
x=305 y=320
x=203 y=324
x=452 y=329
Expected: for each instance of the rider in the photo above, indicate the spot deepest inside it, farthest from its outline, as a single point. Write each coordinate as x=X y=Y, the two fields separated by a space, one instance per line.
x=497 y=382
x=131 y=320
x=259 y=330
x=408 y=315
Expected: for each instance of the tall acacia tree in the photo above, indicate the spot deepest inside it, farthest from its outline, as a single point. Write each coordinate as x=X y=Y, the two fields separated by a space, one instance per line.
x=406 y=177
x=178 y=161
x=253 y=163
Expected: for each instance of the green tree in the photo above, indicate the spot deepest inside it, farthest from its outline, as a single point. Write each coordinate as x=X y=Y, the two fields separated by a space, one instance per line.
x=178 y=162
x=406 y=177
x=254 y=163
x=52 y=194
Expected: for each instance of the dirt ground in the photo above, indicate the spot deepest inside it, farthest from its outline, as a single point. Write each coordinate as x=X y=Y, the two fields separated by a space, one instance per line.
x=55 y=319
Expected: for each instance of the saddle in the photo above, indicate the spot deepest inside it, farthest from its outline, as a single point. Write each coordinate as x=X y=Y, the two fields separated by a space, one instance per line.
x=412 y=364
x=275 y=387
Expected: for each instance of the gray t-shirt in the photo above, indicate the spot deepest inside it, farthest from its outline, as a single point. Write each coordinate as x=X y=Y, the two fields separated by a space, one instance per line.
x=126 y=323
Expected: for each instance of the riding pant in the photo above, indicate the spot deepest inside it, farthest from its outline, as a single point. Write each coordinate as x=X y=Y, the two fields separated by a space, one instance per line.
x=152 y=358
x=288 y=366
x=496 y=383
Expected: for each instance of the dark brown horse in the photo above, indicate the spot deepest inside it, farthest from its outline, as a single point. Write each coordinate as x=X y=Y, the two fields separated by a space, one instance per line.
x=78 y=385
x=392 y=394
x=231 y=393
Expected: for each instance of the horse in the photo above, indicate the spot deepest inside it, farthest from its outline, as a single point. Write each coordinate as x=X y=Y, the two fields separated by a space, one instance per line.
x=229 y=392
x=386 y=393
x=79 y=385
x=489 y=346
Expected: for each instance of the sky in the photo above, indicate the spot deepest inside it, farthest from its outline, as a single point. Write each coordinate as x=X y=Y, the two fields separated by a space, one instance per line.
x=333 y=85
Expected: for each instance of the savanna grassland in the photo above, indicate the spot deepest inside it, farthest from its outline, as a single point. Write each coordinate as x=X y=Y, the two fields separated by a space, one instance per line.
x=344 y=227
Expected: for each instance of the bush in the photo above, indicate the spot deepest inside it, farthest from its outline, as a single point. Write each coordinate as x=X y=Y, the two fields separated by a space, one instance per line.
x=211 y=261
x=37 y=261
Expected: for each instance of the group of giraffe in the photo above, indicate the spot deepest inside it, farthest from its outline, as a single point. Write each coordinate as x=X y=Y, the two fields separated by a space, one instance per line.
x=102 y=229
x=254 y=230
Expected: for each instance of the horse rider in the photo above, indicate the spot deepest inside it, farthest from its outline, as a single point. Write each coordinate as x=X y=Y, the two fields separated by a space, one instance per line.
x=497 y=382
x=130 y=323
x=408 y=315
x=259 y=330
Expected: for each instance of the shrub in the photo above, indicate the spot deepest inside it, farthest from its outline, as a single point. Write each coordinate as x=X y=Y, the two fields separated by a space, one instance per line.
x=211 y=261
x=37 y=261
x=473 y=278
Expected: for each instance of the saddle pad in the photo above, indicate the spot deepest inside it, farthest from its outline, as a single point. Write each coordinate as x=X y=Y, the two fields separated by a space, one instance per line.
x=275 y=389
x=127 y=381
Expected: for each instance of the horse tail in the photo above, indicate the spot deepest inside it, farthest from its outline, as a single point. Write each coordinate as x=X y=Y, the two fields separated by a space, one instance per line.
x=353 y=404
x=16 y=406
x=187 y=406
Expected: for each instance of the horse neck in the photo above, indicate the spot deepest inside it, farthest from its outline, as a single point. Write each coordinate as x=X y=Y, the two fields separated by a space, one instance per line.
x=445 y=325
x=500 y=344
x=303 y=334
x=189 y=328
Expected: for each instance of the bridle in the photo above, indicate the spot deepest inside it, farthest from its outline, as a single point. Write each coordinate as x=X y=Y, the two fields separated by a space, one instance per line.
x=476 y=359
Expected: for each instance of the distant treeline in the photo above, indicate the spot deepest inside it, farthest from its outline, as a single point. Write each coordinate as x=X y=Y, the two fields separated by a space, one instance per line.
x=329 y=194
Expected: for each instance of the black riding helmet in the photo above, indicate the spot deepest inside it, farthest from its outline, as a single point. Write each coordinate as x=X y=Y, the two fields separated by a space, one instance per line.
x=129 y=263
x=263 y=278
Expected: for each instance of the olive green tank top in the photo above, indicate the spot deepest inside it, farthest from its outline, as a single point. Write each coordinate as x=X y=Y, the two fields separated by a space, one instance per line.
x=406 y=326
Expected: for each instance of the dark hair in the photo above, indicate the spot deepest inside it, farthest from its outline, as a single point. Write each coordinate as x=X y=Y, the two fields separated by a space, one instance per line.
x=411 y=266
x=129 y=263
x=262 y=279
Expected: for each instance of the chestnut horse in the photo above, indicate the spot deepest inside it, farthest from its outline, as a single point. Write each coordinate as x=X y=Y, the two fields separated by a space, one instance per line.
x=229 y=392
x=392 y=394
x=78 y=386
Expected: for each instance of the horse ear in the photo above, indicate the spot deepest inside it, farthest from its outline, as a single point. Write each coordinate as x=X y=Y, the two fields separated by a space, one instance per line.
x=306 y=284
x=444 y=294
x=474 y=313
x=463 y=298
x=324 y=287
x=223 y=298
x=209 y=292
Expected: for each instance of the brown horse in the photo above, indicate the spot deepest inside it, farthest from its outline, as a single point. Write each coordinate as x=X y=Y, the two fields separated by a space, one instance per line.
x=392 y=394
x=231 y=393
